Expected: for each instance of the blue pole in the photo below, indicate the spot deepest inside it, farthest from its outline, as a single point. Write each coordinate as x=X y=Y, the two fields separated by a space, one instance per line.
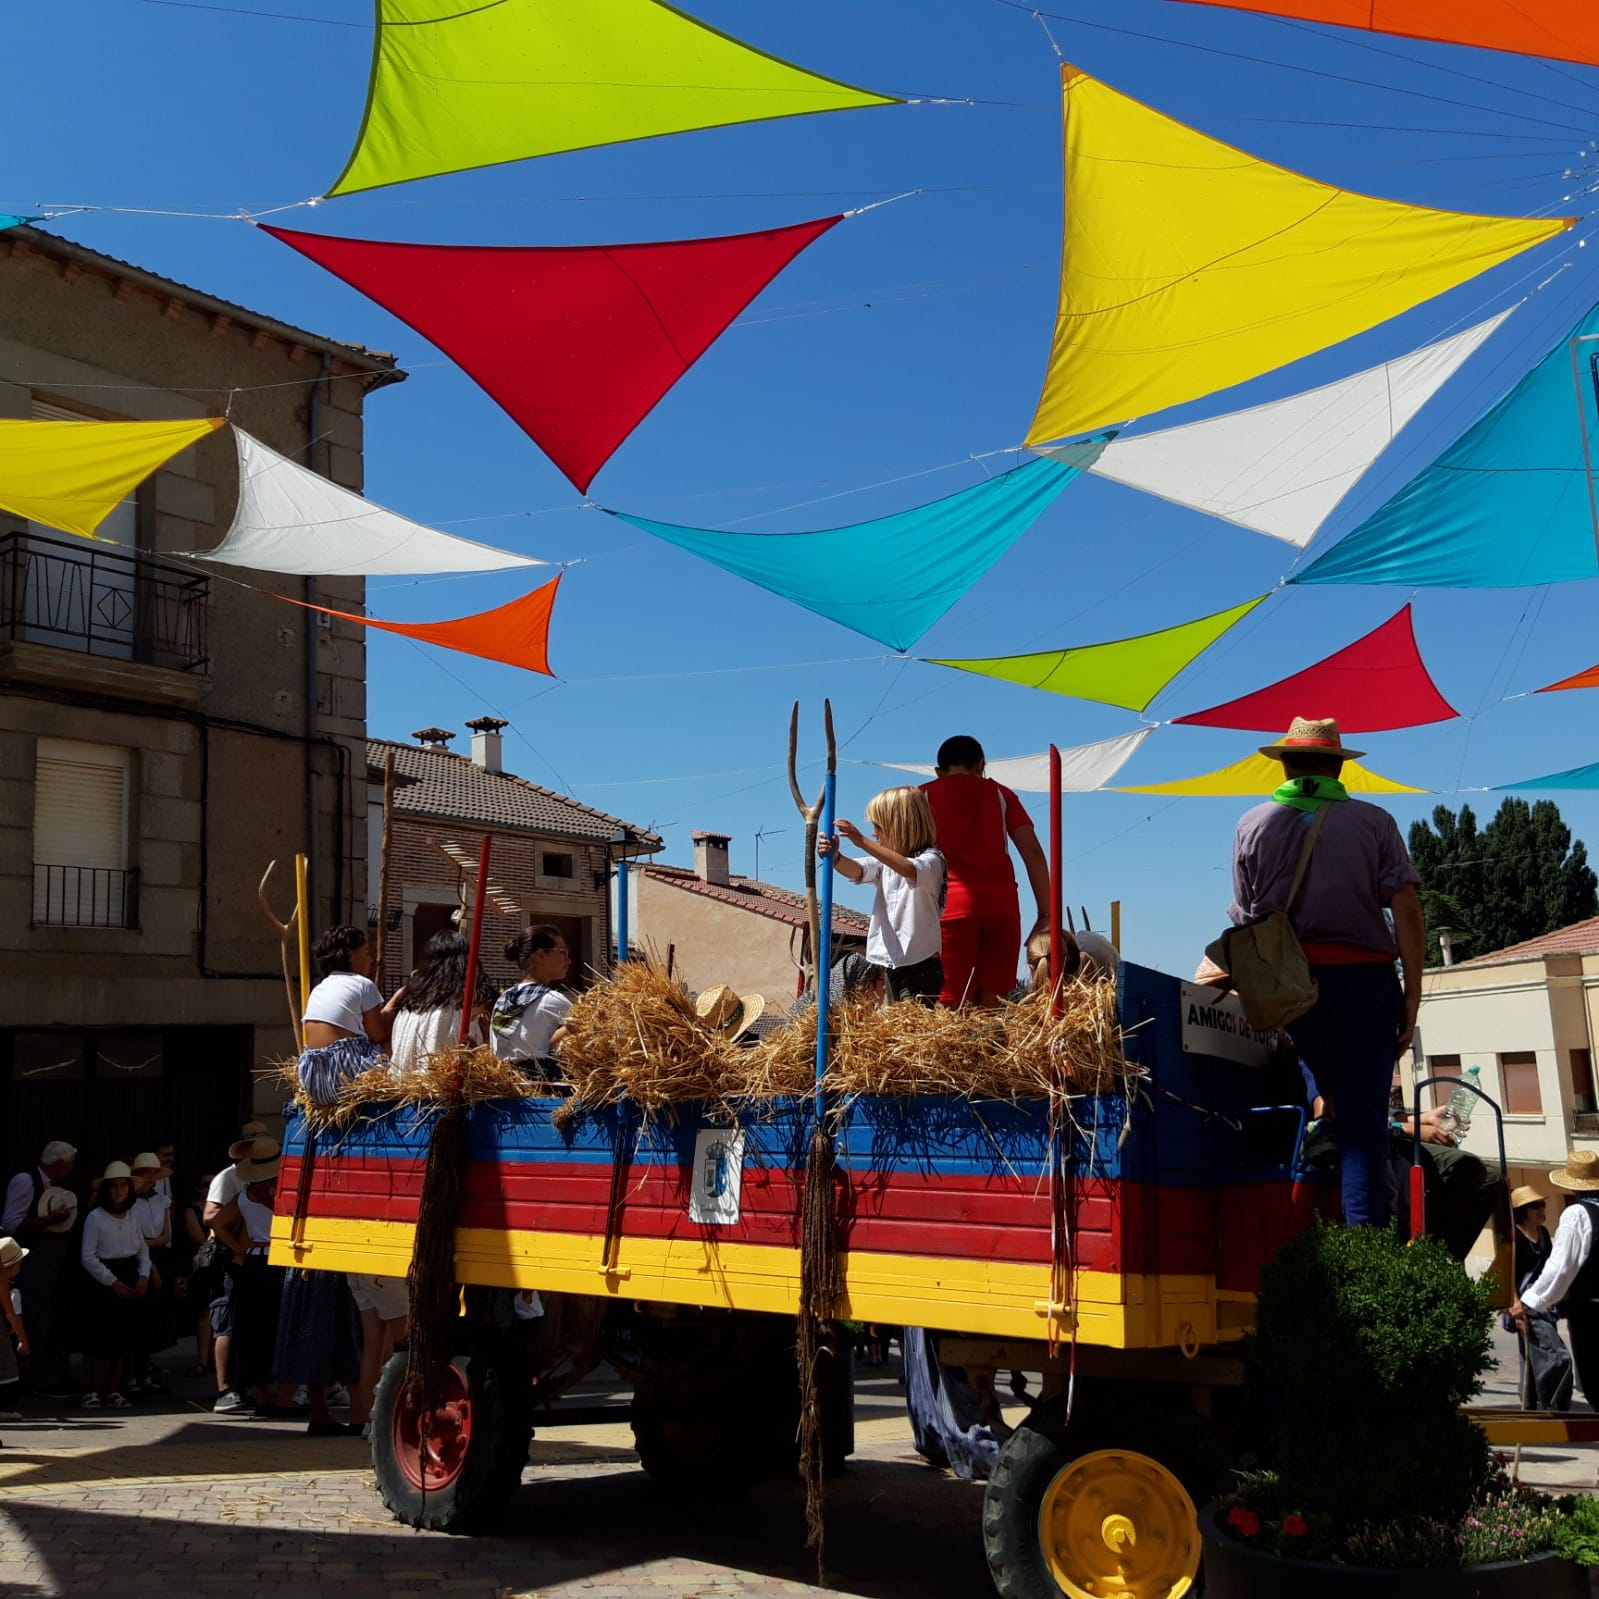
x=621 y=911
x=824 y=941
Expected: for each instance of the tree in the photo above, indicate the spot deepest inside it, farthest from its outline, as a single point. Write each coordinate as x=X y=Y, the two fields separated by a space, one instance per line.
x=1521 y=876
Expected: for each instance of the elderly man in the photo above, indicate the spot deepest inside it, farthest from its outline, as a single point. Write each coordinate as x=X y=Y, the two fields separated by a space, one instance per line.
x=38 y=1213
x=1358 y=868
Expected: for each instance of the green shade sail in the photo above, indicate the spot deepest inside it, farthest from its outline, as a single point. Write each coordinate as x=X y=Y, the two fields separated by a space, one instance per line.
x=1128 y=672
x=458 y=84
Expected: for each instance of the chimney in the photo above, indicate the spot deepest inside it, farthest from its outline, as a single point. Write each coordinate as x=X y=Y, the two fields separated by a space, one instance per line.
x=433 y=738
x=710 y=858
x=486 y=742
x=1446 y=944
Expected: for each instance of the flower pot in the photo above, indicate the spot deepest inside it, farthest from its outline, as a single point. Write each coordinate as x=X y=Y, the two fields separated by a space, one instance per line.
x=1235 y=1571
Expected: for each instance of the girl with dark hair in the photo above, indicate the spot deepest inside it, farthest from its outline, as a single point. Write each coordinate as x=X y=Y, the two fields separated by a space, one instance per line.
x=429 y=1013
x=118 y=1263
x=528 y=1016
x=346 y=1022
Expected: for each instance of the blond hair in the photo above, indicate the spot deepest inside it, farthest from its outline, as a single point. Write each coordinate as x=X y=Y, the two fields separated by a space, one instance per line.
x=904 y=818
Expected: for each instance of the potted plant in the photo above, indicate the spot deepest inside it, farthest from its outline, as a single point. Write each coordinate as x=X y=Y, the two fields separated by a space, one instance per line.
x=1364 y=1352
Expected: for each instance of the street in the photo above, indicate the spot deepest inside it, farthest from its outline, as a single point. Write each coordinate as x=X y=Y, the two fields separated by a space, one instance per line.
x=171 y=1499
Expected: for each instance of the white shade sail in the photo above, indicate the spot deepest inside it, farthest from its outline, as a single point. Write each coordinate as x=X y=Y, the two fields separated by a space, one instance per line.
x=291 y=519
x=1282 y=468
x=1083 y=769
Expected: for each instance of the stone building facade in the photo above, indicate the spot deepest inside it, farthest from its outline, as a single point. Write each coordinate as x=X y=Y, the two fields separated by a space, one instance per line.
x=165 y=732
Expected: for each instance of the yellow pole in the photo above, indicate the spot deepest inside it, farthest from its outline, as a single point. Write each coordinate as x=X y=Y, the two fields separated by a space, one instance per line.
x=300 y=864
x=1116 y=923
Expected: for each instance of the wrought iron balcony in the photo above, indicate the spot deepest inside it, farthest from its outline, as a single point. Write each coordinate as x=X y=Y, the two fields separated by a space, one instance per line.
x=73 y=595
x=84 y=896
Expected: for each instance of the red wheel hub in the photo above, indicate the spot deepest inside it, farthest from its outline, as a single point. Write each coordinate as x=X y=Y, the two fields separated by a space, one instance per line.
x=431 y=1441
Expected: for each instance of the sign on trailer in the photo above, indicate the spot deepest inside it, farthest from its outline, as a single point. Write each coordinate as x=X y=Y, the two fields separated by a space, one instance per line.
x=1213 y=1024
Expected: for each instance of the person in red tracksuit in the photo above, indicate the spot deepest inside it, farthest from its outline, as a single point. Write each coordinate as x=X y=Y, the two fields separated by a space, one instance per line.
x=978 y=820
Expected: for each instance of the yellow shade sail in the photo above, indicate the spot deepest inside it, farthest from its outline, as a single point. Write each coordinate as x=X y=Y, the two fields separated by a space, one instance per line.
x=1260 y=775
x=1128 y=672
x=458 y=84
x=71 y=475
x=1188 y=266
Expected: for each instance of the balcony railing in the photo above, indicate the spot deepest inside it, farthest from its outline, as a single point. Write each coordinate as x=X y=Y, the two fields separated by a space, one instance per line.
x=68 y=593
x=1585 y=1124
x=84 y=896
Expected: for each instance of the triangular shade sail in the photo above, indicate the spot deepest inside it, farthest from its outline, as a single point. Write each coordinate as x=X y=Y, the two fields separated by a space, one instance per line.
x=290 y=519
x=1083 y=769
x=1129 y=672
x=578 y=344
x=72 y=475
x=1282 y=468
x=1188 y=265
x=891 y=578
x=1576 y=778
x=517 y=634
x=1507 y=505
x=458 y=84
x=1588 y=679
x=9 y=219
x=1259 y=774
x=1564 y=29
x=1376 y=683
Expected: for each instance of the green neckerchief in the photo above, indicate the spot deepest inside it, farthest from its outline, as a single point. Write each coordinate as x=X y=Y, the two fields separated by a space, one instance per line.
x=1310 y=793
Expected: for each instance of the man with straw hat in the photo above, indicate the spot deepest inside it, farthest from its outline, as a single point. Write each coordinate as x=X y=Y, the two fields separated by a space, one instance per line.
x=1354 y=867
x=1569 y=1281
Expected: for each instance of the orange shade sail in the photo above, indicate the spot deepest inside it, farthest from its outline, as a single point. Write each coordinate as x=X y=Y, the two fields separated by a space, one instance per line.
x=517 y=634
x=1588 y=679
x=1567 y=30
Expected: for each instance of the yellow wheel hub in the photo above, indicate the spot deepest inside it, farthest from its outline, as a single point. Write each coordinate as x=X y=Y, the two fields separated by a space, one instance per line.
x=1115 y=1525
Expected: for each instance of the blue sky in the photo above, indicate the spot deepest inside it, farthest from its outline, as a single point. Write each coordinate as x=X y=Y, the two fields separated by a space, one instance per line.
x=904 y=343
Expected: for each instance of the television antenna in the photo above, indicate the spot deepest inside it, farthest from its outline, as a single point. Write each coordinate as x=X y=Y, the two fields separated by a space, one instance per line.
x=767 y=832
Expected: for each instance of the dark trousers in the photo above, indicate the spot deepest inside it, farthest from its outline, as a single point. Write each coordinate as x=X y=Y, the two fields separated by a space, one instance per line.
x=1582 y=1332
x=45 y=1289
x=1546 y=1364
x=1347 y=1040
x=922 y=981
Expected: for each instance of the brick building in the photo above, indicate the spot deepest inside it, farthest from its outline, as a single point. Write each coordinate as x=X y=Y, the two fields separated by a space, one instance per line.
x=163 y=733
x=551 y=858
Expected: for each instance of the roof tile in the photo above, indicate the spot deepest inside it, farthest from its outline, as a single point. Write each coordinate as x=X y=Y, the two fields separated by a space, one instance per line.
x=763 y=899
x=1580 y=938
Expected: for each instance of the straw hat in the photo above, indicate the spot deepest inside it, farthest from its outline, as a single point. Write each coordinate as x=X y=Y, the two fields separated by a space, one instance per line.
x=58 y=1209
x=263 y=1161
x=117 y=1168
x=1581 y=1172
x=725 y=1010
x=1310 y=736
x=11 y=1254
x=1521 y=1197
x=149 y=1162
x=239 y=1149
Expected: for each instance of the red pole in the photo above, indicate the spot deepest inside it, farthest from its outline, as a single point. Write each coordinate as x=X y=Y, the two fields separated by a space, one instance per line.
x=1055 y=890
x=477 y=937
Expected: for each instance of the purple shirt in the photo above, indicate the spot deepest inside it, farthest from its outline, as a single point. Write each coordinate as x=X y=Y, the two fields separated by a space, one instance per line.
x=1358 y=865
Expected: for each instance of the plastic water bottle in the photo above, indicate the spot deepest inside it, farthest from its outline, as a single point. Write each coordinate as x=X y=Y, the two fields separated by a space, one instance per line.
x=1457 y=1113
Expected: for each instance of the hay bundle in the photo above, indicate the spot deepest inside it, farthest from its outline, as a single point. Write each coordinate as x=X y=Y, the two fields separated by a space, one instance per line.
x=1080 y=1052
x=635 y=1035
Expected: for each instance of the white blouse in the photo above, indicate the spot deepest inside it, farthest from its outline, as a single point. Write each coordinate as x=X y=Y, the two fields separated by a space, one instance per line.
x=108 y=1237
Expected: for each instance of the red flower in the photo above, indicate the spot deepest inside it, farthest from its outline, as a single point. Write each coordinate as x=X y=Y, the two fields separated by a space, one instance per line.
x=1244 y=1521
x=1294 y=1525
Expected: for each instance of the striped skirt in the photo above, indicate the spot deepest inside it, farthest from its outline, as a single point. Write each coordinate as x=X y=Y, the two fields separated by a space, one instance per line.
x=324 y=1071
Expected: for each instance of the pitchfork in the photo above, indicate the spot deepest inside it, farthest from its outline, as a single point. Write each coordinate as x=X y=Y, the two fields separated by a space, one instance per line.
x=814 y=815
x=285 y=932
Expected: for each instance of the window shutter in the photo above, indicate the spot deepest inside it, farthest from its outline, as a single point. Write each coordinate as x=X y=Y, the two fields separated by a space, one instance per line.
x=80 y=820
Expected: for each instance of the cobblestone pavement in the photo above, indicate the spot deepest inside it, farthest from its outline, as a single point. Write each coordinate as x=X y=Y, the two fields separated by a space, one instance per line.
x=177 y=1501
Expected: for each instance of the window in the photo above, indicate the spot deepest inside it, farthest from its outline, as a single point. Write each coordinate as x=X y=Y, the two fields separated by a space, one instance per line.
x=1518 y=1072
x=80 y=836
x=1442 y=1066
x=559 y=865
x=1582 y=1079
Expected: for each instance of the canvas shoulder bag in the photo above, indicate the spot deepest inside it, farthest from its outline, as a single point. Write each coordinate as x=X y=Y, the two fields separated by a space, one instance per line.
x=1264 y=958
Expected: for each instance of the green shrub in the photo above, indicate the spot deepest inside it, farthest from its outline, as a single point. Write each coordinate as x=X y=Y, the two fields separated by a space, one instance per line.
x=1366 y=1347
x=1577 y=1533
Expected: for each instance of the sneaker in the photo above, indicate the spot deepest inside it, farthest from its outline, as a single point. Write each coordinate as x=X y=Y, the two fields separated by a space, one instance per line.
x=154 y=1385
x=118 y=1402
x=227 y=1402
x=338 y=1397
x=131 y=1386
x=91 y=1401
x=301 y=1397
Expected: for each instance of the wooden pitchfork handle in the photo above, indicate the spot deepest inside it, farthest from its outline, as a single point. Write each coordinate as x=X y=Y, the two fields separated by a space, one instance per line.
x=285 y=932
x=812 y=815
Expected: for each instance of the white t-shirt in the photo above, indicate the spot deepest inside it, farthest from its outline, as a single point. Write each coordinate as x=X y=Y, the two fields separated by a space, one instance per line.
x=420 y=1033
x=151 y=1209
x=224 y=1187
x=525 y=1018
x=257 y=1219
x=108 y=1237
x=342 y=1000
x=905 y=915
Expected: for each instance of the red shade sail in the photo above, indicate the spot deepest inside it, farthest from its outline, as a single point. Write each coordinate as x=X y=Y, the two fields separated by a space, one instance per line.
x=1376 y=683
x=577 y=344
x=1568 y=30
x=517 y=634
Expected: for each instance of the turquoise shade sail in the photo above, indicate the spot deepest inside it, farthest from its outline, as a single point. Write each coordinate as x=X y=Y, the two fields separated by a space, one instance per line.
x=1507 y=505
x=891 y=578
x=1577 y=777
x=10 y=220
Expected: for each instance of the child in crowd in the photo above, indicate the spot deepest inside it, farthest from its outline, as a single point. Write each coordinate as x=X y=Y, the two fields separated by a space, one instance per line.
x=13 y=1338
x=115 y=1256
x=528 y=1016
x=908 y=872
